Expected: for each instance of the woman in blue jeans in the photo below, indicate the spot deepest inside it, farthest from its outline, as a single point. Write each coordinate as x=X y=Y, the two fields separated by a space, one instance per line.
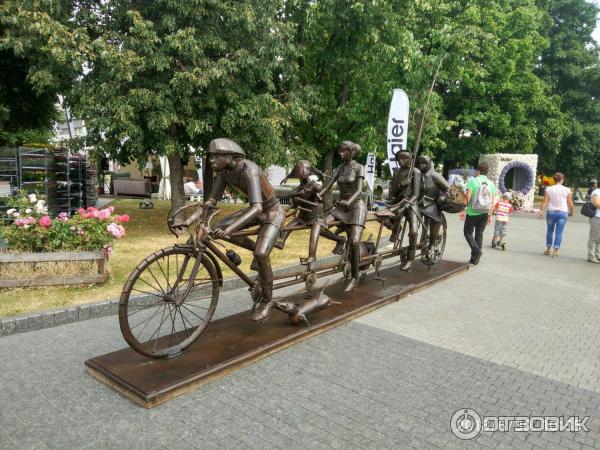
x=559 y=202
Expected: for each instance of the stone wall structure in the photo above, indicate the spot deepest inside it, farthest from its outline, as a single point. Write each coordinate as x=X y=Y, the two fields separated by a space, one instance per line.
x=524 y=170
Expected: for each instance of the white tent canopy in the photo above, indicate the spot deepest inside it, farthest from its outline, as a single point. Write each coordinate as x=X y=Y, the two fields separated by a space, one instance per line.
x=164 y=189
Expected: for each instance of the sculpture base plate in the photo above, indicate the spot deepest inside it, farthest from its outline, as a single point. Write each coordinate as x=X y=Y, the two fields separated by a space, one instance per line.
x=235 y=341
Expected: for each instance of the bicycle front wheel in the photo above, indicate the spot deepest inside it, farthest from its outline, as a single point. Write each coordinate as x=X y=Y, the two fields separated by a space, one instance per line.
x=167 y=301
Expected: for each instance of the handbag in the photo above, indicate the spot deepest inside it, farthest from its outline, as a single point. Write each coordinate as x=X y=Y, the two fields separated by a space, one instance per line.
x=588 y=210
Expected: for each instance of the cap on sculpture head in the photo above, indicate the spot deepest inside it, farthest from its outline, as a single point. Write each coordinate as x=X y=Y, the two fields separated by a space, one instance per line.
x=225 y=146
x=402 y=153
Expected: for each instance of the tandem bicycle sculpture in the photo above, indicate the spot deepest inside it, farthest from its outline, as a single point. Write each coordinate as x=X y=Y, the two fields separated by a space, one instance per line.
x=171 y=296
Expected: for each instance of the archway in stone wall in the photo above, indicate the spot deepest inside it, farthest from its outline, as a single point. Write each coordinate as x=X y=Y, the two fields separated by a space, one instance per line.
x=513 y=172
x=516 y=176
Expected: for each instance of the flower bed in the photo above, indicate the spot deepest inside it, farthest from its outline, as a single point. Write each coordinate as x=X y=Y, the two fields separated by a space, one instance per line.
x=39 y=238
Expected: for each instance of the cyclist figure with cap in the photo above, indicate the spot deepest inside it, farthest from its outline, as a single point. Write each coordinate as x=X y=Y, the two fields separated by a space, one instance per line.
x=229 y=161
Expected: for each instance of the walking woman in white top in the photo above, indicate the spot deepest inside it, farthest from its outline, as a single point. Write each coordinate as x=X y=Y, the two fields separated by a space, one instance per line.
x=559 y=200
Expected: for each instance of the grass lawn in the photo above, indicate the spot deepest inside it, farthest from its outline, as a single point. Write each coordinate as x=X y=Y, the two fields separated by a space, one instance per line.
x=146 y=232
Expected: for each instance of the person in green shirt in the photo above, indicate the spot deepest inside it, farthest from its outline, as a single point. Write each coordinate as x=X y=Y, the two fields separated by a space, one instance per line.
x=476 y=219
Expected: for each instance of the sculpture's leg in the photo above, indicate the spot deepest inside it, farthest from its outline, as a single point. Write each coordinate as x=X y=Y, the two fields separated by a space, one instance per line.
x=312 y=245
x=266 y=239
x=354 y=236
x=412 y=241
x=284 y=234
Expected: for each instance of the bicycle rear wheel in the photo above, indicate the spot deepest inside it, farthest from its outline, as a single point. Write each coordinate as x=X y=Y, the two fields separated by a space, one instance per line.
x=438 y=249
x=167 y=301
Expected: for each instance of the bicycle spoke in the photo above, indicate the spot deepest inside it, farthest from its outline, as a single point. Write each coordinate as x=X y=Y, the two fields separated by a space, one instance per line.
x=157 y=332
x=173 y=316
x=183 y=321
x=147 y=322
x=196 y=306
x=144 y=308
x=183 y=306
x=151 y=273
x=164 y=275
x=153 y=287
x=154 y=294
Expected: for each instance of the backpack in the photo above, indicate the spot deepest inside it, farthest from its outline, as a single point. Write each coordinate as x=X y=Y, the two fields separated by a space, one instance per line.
x=481 y=202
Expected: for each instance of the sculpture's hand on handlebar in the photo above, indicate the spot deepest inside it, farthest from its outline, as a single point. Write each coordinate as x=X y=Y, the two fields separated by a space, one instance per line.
x=218 y=233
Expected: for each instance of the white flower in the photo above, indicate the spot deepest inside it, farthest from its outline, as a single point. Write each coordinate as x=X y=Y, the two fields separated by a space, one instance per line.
x=32 y=198
x=16 y=214
x=28 y=211
x=40 y=209
x=10 y=211
x=41 y=202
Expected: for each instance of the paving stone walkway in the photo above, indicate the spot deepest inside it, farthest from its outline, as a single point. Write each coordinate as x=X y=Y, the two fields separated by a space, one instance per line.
x=516 y=335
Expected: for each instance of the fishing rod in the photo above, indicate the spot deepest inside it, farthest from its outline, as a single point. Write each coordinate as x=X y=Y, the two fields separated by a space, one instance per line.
x=421 y=126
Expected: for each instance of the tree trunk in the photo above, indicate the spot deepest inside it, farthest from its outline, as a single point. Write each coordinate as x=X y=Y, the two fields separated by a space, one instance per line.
x=176 y=176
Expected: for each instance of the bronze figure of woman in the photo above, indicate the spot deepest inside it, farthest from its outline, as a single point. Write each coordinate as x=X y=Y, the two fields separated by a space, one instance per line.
x=350 y=209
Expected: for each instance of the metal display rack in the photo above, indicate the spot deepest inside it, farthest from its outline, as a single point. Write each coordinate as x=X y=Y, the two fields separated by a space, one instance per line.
x=37 y=174
x=67 y=180
x=9 y=176
x=75 y=187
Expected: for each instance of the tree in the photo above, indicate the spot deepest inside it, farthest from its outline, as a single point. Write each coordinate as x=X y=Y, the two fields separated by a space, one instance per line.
x=490 y=98
x=167 y=75
x=26 y=115
x=352 y=54
x=570 y=67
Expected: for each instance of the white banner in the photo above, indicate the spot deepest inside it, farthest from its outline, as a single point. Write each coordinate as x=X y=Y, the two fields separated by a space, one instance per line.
x=397 y=129
x=370 y=171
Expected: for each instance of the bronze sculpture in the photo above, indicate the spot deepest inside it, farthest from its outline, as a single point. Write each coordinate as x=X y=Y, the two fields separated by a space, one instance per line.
x=434 y=189
x=228 y=160
x=405 y=191
x=182 y=282
x=350 y=209
x=310 y=210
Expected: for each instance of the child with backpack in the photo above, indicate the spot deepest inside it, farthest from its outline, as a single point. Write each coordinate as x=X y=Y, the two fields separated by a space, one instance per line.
x=481 y=197
x=502 y=209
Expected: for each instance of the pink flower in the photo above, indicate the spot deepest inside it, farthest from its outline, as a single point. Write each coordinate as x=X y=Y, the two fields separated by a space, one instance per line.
x=123 y=219
x=63 y=216
x=45 y=222
x=111 y=209
x=30 y=220
x=104 y=214
x=116 y=230
x=82 y=213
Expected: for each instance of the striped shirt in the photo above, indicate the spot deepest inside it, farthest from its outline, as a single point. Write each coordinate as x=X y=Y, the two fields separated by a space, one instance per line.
x=503 y=209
